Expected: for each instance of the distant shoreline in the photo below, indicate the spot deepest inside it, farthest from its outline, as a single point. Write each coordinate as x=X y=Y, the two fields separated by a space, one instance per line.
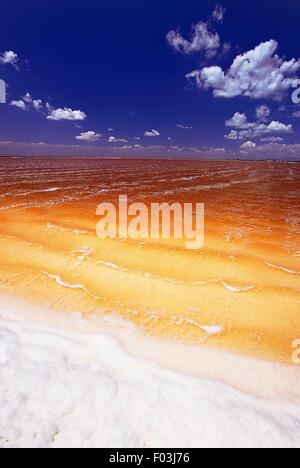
x=157 y=158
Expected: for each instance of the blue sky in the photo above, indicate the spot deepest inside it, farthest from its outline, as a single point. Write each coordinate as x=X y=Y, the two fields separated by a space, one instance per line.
x=182 y=78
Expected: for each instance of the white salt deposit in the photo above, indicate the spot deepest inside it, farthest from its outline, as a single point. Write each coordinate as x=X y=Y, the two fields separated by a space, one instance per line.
x=66 y=389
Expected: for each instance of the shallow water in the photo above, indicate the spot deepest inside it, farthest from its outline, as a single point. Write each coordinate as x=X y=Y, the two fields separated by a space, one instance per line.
x=239 y=293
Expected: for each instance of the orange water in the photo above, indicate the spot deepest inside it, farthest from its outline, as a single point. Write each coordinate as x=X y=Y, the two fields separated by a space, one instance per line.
x=245 y=280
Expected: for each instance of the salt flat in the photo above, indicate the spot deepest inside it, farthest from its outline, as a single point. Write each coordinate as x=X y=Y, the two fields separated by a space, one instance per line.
x=71 y=389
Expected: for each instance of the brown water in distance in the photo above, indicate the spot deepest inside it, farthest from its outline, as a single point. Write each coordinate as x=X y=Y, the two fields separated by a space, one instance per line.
x=243 y=285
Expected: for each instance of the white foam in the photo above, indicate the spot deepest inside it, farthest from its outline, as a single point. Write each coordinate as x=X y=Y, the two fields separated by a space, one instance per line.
x=213 y=329
x=32 y=192
x=234 y=289
x=229 y=287
x=62 y=283
x=210 y=330
x=292 y=272
x=111 y=265
x=84 y=253
x=53 y=227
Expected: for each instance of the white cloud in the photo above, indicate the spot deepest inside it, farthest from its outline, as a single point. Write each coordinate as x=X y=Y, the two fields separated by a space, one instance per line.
x=124 y=147
x=66 y=114
x=274 y=151
x=113 y=139
x=184 y=127
x=296 y=114
x=27 y=102
x=272 y=139
x=233 y=135
x=238 y=121
x=27 y=98
x=244 y=130
x=9 y=58
x=89 y=136
x=278 y=127
x=152 y=133
x=263 y=112
x=20 y=104
x=219 y=150
x=202 y=40
x=259 y=73
x=37 y=104
x=219 y=13
x=248 y=145
x=271 y=150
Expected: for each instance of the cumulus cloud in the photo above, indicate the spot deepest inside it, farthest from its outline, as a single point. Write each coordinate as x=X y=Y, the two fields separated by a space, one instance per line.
x=263 y=112
x=245 y=130
x=272 y=150
x=233 y=135
x=66 y=114
x=259 y=73
x=248 y=145
x=238 y=121
x=113 y=139
x=88 y=136
x=219 y=13
x=27 y=98
x=27 y=102
x=152 y=133
x=9 y=58
x=19 y=104
x=278 y=127
x=37 y=104
x=201 y=40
